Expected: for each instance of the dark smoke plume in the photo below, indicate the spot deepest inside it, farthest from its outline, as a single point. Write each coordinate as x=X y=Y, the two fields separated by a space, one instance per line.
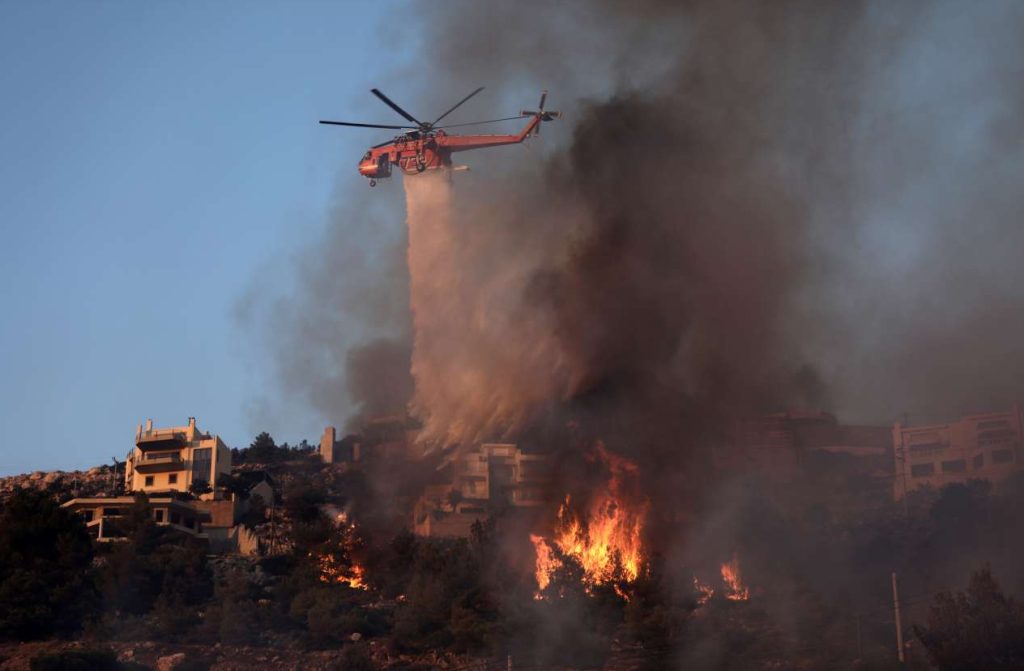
x=747 y=206
x=759 y=205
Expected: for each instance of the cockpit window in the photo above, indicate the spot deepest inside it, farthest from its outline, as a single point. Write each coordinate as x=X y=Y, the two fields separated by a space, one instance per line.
x=366 y=156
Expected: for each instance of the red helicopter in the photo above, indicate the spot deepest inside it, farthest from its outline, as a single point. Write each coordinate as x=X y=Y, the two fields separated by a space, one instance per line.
x=426 y=146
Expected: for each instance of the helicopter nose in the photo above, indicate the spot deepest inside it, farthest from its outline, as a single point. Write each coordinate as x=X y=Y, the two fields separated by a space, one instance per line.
x=368 y=168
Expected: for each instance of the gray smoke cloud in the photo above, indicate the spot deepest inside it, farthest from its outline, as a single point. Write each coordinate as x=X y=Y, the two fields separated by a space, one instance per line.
x=757 y=205
x=336 y=320
x=746 y=206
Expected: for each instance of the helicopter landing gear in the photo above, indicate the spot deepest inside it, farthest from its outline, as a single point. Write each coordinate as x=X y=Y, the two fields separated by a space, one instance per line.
x=420 y=166
x=373 y=182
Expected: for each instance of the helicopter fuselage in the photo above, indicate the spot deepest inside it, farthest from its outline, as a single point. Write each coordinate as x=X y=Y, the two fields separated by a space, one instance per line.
x=418 y=151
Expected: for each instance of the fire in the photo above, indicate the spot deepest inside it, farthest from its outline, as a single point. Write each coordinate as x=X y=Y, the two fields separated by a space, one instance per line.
x=704 y=591
x=606 y=541
x=735 y=590
x=333 y=569
x=546 y=562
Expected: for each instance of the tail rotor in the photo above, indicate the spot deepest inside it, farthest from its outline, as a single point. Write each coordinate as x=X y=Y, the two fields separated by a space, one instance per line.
x=544 y=116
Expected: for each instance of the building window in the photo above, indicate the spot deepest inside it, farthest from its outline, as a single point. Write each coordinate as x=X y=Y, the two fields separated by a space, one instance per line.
x=922 y=470
x=955 y=466
x=927 y=448
x=172 y=479
x=202 y=465
x=149 y=481
x=175 y=518
x=979 y=461
x=158 y=515
x=1002 y=456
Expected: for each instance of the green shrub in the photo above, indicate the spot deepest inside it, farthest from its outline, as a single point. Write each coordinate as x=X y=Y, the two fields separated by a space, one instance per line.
x=46 y=578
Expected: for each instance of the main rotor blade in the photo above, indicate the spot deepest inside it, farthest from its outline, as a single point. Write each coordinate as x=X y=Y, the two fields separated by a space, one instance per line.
x=477 y=123
x=456 y=105
x=392 y=105
x=363 y=125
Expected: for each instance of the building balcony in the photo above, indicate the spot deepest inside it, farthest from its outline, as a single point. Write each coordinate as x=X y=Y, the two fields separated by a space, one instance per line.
x=160 y=464
x=160 y=441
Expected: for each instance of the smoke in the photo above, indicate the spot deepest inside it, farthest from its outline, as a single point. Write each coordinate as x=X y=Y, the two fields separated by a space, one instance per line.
x=755 y=206
x=646 y=276
x=746 y=207
x=335 y=319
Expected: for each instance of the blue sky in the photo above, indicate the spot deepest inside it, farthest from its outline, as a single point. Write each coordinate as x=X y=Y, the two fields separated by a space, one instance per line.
x=153 y=157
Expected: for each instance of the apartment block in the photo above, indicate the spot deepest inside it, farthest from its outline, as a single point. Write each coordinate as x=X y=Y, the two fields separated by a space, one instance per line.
x=165 y=464
x=977 y=447
x=173 y=459
x=475 y=483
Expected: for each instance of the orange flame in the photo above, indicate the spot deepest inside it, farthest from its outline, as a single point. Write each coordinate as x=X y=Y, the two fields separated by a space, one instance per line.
x=545 y=565
x=333 y=569
x=704 y=591
x=735 y=590
x=607 y=541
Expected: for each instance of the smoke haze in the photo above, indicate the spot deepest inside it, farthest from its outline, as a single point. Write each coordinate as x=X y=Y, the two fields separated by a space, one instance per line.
x=759 y=206
x=746 y=207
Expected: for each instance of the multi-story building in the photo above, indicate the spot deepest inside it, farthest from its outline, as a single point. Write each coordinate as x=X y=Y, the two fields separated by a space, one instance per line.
x=978 y=447
x=498 y=471
x=102 y=515
x=175 y=458
x=165 y=464
x=477 y=481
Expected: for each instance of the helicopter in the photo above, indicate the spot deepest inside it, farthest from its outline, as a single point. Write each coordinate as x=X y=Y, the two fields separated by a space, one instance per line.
x=427 y=146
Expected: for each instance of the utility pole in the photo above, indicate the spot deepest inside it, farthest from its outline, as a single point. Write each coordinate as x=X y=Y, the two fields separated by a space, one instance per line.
x=899 y=624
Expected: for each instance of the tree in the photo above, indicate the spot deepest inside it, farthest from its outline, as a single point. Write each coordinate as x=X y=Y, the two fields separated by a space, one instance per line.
x=264 y=449
x=46 y=584
x=980 y=630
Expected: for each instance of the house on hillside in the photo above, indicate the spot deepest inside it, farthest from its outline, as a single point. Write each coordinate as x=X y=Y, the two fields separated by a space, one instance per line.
x=176 y=459
x=184 y=474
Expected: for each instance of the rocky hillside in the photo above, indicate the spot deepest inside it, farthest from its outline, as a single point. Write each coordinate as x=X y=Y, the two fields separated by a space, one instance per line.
x=63 y=484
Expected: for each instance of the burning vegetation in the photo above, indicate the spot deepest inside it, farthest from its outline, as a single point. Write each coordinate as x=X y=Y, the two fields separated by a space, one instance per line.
x=735 y=590
x=604 y=536
x=335 y=559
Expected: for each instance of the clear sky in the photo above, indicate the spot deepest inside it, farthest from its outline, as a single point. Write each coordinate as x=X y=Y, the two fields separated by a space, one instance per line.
x=153 y=157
